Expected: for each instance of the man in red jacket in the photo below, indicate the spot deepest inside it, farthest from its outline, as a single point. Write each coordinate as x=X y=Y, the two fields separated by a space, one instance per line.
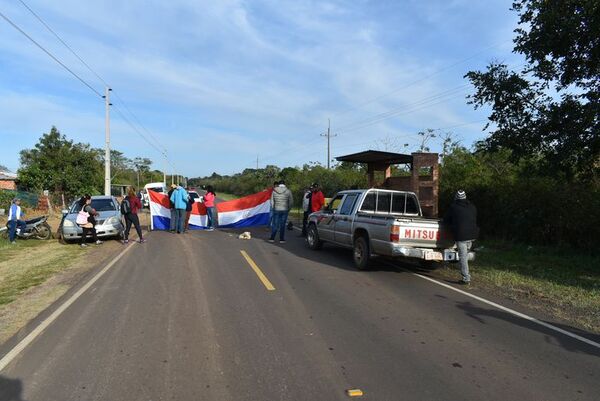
x=317 y=200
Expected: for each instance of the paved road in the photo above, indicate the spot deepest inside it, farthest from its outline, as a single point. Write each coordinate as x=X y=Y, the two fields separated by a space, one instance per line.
x=184 y=317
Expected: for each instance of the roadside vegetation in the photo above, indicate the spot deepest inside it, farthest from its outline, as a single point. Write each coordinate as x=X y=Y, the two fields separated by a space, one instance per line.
x=226 y=197
x=29 y=263
x=33 y=274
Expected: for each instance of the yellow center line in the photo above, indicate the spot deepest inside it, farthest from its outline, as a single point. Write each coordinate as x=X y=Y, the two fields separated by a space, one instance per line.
x=258 y=272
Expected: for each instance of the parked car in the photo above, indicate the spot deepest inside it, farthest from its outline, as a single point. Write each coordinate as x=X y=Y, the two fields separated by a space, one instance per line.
x=109 y=222
x=195 y=196
x=153 y=186
x=381 y=222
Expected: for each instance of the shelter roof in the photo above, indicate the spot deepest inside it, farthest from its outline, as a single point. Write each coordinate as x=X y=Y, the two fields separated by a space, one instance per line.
x=376 y=156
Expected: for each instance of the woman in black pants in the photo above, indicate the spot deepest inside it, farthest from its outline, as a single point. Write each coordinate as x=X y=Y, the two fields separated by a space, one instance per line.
x=90 y=226
x=131 y=217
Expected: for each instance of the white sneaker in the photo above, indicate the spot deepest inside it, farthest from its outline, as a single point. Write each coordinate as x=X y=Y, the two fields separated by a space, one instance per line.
x=98 y=242
x=83 y=245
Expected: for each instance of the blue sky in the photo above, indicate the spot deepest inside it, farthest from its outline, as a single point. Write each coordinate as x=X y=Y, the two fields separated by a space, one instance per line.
x=218 y=83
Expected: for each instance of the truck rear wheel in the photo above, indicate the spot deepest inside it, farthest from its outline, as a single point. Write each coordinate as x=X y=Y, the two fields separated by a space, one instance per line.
x=362 y=253
x=312 y=238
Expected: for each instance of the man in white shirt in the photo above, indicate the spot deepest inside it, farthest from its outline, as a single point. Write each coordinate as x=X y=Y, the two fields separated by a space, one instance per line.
x=14 y=222
x=305 y=209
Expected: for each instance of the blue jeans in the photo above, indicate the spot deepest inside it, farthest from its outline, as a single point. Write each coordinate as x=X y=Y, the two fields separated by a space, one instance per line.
x=463 y=258
x=211 y=216
x=173 y=222
x=179 y=219
x=278 y=224
x=12 y=228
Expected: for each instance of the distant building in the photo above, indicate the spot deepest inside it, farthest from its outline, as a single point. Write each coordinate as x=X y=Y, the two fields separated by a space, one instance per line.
x=8 y=180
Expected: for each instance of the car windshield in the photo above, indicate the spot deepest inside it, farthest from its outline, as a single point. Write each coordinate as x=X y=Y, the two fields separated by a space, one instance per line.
x=194 y=195
x=157 y=189
x=100 y=205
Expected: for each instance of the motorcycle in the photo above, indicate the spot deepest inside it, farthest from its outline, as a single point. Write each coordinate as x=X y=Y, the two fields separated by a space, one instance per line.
x=36 y=228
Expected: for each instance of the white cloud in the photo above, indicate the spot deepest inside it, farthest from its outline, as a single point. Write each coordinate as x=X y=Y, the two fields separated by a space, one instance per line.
x=245 y=77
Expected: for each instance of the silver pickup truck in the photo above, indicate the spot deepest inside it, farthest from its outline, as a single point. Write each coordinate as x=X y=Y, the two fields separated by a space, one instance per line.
x=381 y=222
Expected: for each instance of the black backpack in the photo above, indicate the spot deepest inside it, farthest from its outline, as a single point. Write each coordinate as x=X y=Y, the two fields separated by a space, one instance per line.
x=125 y=206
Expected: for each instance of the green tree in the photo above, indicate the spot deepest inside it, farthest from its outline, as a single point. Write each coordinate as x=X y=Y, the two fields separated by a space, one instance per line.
x=551 y=107
x=59 y=165
x=142 y=166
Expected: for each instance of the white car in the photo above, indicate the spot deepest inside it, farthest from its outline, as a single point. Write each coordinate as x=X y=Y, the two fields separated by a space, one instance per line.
x=195 y=196
x=154 y=186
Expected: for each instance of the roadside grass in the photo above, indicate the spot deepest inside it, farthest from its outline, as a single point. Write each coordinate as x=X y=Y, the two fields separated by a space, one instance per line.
x=562 y=282
x=30 y=263
x=226 y=196
x=296 y=214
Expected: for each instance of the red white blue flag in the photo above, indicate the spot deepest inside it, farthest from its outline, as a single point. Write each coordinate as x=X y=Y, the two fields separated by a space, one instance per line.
x=251 y=210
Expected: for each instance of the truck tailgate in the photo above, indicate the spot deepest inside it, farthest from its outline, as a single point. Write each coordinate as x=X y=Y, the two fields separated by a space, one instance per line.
x=423 y=233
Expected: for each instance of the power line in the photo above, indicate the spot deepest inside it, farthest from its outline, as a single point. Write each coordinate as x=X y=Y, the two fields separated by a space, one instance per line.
x=50 y=54
x=423 y=103
x=136 y=129
x=419 y=105
x=140 y=123
x=63 y=42
x=422 y=79
x=394 y=113
x=57 y=36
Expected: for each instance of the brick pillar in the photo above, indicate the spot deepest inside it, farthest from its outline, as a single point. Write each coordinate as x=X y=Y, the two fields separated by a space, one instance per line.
x=42 y=204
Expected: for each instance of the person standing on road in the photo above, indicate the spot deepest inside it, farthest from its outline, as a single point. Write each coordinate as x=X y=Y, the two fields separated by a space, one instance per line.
x=305 y=209
x=14 y=220
x=179 y=198
x=211 y=211
x=462 y=219
x=271 y=211
x=188 y=211
x=129 y=208
x=173 y=221
x=317 y=199
x=85 y=206
x=281 y=204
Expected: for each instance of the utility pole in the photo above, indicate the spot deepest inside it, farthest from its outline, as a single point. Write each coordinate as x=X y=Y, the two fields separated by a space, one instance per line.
x=328 y=135
x=257 y=162
x=107 y=146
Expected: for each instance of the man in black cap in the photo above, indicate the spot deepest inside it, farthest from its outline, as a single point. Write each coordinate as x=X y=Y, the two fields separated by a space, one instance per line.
x=462 y=219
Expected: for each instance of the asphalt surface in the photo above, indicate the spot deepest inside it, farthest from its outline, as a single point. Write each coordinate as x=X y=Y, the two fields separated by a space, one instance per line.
x=185 y=317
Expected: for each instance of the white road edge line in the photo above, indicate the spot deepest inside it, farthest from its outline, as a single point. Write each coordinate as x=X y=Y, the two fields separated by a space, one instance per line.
x=13 y=353
x=505 y=309
x=498 y=306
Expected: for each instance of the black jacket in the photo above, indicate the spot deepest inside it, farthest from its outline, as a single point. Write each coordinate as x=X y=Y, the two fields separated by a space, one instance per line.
x=169 y=196
x=462 y=219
